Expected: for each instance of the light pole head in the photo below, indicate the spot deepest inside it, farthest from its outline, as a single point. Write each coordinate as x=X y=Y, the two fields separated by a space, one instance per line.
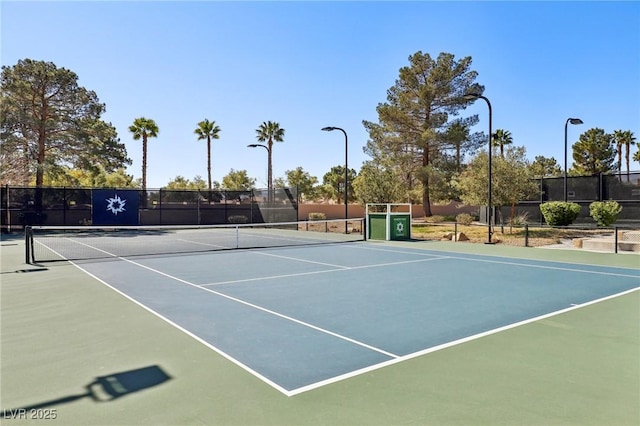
x=470 y=96
x=256 y=145
x=575 y=121
x=329 y=129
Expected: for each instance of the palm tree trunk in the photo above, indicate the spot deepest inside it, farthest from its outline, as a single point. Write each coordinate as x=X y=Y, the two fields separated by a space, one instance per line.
x=626 y=157
x=619 y=147
x=269 y=177
x=144 y=165
x=209 y=160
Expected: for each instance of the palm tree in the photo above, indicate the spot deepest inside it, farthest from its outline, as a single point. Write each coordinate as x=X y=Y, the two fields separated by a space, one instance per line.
x=144 y=128
x=207 y=130
x=269 y=132
x=624 y=138
x=617 y=137
x=501 y=138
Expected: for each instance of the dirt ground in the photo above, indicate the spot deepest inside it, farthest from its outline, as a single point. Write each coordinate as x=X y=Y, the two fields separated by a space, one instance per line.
x=538 y=237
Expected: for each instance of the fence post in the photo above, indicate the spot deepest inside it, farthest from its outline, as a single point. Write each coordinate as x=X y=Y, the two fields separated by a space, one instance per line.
x=27 y=244
x=526 y=235
x=600 y=187
x=615 y=239
x=363 y=227
x=198 y=204
x=6 y=216
x=455 y=232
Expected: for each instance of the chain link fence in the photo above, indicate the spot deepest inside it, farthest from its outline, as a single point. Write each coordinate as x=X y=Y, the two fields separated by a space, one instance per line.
x=22 y=206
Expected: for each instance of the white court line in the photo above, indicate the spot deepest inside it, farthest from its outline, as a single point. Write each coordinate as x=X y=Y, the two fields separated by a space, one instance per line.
x=452 y=343
x=301 y=260
x=558 y=268
x=187 y=332
x=303 y=241
x=202 y=244
x=217 y=350
x=82 y=244
x=396 y=358
x=504 y=262
x=269 y=311
x=341 y=268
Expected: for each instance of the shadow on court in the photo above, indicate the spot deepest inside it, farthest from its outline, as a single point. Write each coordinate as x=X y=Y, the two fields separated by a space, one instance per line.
x=103 y=389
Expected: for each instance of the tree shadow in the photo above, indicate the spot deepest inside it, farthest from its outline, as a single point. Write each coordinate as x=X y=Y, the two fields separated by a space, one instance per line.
x=104 y=388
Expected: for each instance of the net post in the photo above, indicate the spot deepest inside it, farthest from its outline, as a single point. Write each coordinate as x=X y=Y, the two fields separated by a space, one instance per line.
x=363 y=227
x=615 y=239
x=28 y=242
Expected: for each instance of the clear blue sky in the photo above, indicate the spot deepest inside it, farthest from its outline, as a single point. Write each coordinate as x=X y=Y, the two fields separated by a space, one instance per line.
x=308 y=65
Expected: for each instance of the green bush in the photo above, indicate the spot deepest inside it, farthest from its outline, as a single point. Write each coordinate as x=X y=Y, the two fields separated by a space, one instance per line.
x=317 y=216
x=560 y=213
x=605 y=212
x=464 y=219
x=238 y=219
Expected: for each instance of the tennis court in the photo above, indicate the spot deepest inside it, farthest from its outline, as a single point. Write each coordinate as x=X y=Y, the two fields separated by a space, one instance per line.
x=303 y=316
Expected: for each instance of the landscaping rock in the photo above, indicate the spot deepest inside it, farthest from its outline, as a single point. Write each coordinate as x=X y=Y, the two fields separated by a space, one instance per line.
x=461 y=237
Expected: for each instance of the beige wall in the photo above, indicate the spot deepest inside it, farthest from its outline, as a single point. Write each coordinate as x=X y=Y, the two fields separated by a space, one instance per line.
x=336 y=211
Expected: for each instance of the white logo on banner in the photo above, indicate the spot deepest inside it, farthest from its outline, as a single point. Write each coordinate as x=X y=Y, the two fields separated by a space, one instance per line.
x=116 y=205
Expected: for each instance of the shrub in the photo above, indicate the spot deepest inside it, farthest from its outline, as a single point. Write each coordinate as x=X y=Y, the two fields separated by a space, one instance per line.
x=237 y=219
x=520 y=219
x=449 y=218
x=464 y=219
x=434 y=219
x=317 y=216
x=560 y=213
x=604 y=212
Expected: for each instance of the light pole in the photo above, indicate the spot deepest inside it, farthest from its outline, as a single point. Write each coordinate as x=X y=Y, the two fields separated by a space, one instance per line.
x=346 y=169
x=472 y=97
x=566 y=124
x=255 y=145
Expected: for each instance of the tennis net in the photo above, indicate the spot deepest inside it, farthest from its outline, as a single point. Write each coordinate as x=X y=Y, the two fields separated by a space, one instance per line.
x=55 y=243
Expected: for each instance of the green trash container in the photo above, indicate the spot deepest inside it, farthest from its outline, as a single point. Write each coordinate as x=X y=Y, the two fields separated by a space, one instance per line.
x=389 y=221
x=400 y=227
x=377 y=226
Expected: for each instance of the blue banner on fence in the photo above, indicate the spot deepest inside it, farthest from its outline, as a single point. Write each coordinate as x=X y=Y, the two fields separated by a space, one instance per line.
x=111 y=207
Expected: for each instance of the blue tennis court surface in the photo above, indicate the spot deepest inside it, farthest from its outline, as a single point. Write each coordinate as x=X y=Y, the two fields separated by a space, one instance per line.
x=302 y=317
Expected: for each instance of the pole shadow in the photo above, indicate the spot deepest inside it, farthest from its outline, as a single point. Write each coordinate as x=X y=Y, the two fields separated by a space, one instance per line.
x=104 y=389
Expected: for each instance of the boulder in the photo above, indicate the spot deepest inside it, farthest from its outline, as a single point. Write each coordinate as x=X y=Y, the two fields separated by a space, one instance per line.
x=461 y=237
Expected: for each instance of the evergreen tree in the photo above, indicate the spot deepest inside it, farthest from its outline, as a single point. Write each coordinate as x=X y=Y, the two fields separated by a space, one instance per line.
x=421 y=107
x=594 y=153
x=48 y=123
x=333 y=183
x=545 y=167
